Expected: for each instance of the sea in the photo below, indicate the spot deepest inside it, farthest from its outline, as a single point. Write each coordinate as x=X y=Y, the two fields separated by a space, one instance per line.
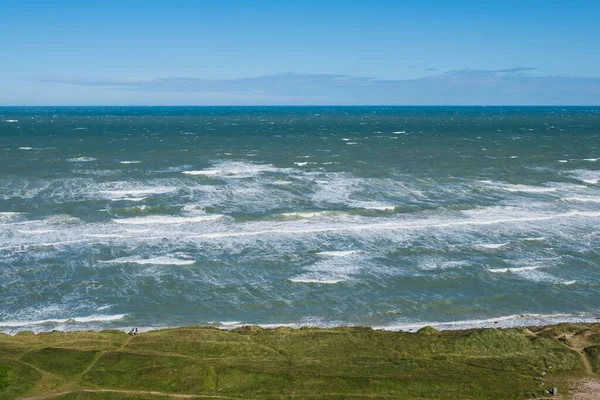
x=388 y=217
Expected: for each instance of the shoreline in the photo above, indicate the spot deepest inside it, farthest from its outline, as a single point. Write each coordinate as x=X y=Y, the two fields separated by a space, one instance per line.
x=342 y=362
x=78 y=324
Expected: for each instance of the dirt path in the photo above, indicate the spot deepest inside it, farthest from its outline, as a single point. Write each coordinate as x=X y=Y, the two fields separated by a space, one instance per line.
x=146 y=392
x=588 y=390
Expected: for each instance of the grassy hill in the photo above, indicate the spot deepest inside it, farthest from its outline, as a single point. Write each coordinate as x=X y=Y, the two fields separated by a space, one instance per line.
x=303 y=363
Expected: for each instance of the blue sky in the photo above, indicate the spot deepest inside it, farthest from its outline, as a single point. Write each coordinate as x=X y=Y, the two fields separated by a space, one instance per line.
x=299 y=52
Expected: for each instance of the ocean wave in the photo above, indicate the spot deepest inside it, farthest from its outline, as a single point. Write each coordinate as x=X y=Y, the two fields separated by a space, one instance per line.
x=81 y=159
x=160 y=220
x=124 y=193
x=73 y=320
x=338 y=253
x=508 y=321
x=236 y=169
x=587 y=176
x=492 y=245
x=470 y=219
x=582 y=199
x=515 y=269
x=150 y=261
x=323 y=281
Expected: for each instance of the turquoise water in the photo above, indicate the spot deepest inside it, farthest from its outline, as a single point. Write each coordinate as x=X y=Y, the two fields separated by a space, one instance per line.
x=390 y=217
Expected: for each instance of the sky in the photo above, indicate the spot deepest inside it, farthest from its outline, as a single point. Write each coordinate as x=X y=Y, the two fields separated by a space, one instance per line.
x=309 y=52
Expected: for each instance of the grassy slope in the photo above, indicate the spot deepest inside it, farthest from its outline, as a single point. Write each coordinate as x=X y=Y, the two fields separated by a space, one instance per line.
x=304 y=363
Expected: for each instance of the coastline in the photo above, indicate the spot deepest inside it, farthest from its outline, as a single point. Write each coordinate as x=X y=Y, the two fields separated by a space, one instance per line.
x=103 y=322
x=342 y=362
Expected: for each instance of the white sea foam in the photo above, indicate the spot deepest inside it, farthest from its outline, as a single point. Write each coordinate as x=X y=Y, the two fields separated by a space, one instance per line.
x=587 y=176
x=516 y=269
x=492 y=245
x=563 y=161
x=136 y=199
x=399 y=132
x=338 y=253
x=11 y=121
x=106 y=235
x=316 y=280
x=81 y=159
x=534 y=239
x=583 y=199
x=36 y=231
x=235 y=169
x=155 y=219
x=591 y=159
x=130 y=162
x=415 y=224
x=378 y=207
x=301 y=164
x=509 y=321
x=305 y=214
x=80 y=320
x=150 y=261
x=138 y=192
x=528 y=189
x=6 y=215
x=25 y=148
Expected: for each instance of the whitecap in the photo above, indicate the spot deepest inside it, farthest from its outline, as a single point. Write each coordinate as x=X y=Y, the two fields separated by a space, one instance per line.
x=516 y=269
x=36 y=231
x=136 y=199
x=150 y=261
x=379 y=207
x=316 y=280
x=25 y=148
x=563 y=161
x=583 y=199
x=106 y=235
x=82 y=320
x=11 y=121
x=156 y=219
x=301 y=164
x=136 y=192
x=509 y=321
x=233 y=169
x=305 y=214
x=587 y=176
x=337 y=253
x=130 y=162
x=528 y=189
x=492 y=245
x=81 y=159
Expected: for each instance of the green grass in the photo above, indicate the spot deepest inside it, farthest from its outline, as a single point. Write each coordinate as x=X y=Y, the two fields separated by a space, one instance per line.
x=305 y=363
x=16 y=379
x=67 y=362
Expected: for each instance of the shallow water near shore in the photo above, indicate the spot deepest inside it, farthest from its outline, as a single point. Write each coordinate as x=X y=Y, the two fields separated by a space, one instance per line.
x=391 y=217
